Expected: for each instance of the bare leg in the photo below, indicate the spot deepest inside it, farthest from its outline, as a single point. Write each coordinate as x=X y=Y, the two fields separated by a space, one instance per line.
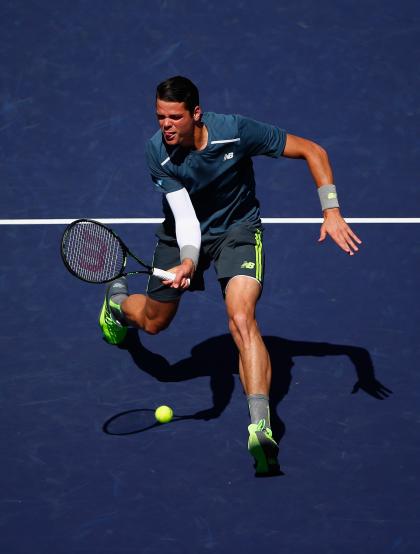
x=254 y=362
x=254 y=368
x=150 y=315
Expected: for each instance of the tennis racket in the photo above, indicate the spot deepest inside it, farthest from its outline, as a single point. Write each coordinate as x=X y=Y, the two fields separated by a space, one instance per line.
x=95 y=254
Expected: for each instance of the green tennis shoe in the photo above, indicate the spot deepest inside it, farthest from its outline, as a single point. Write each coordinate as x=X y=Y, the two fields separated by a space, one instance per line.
x=264 y=449
x=113 y=331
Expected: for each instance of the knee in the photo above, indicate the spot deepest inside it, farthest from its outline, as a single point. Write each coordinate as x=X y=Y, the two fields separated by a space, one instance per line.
x=241 y=323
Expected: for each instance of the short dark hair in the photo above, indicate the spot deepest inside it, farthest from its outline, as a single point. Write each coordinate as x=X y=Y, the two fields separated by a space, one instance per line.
x=179 y=89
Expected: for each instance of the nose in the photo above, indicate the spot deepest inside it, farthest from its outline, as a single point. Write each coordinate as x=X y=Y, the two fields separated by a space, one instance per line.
x=167 y=123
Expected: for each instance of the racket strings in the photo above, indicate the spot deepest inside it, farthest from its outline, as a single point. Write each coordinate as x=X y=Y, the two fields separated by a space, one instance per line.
x=92 y=252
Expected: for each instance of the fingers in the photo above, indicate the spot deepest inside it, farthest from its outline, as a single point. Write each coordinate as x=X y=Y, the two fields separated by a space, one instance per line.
x=341 y=234
x=347 y=240
x=346 y=243
x=181 y=283
x=323 y=234
x=353 y=235
x=181 y=280
x=178 y=283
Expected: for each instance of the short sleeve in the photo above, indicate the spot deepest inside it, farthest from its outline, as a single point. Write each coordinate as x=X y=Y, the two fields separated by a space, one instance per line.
x=259 y=138
x=163 y=180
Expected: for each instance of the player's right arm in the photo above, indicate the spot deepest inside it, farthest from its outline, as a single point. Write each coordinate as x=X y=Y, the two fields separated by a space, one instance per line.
x=188 y=236
x=187 y=226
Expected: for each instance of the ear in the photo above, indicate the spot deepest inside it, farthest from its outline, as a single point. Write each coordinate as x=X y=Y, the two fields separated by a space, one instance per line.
x=197 y=114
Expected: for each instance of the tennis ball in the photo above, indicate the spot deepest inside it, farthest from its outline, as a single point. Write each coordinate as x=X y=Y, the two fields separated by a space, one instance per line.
x=164 y=414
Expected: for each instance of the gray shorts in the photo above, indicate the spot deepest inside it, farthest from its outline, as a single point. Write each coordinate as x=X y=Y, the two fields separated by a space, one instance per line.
x=239 y=251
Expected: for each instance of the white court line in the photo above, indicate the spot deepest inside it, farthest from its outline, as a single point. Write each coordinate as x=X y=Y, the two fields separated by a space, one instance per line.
x=148 y=220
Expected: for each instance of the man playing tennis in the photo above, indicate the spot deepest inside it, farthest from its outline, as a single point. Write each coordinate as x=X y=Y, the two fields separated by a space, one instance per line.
x=202 y=163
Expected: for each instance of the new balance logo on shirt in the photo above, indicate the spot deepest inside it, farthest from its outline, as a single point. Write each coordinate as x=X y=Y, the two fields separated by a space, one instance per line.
x=228 y=156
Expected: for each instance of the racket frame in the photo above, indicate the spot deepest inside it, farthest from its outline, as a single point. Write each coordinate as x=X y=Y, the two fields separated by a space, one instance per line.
x=161 y=274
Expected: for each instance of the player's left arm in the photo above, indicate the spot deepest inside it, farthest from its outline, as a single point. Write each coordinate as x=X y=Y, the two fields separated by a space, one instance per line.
x=318 y=163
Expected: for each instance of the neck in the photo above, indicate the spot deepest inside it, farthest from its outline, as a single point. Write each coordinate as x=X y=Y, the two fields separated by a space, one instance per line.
x=201 y=136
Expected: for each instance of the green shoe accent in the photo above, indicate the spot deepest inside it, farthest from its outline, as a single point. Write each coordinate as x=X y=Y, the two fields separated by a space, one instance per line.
x=115 y=306
x=113 y=332
x=263 y=448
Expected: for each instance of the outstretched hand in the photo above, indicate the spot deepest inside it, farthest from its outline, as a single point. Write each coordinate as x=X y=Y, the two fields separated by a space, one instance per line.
x=335 y=226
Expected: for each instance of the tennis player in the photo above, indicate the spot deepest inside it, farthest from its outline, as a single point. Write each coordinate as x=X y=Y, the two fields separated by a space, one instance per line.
x=202 y=164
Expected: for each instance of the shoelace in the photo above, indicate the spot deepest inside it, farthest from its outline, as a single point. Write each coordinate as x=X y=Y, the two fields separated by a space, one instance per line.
x=261 y=427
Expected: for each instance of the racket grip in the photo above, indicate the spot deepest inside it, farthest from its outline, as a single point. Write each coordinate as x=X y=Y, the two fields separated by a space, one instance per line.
x=165 y=275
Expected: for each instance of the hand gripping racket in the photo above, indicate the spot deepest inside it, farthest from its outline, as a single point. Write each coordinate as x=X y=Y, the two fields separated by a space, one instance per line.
x=94 y=253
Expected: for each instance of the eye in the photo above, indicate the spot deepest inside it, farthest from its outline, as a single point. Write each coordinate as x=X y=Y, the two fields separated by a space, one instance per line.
x=174 y=117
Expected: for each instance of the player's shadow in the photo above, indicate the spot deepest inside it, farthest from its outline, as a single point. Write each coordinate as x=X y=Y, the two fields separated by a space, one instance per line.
x=217 y=357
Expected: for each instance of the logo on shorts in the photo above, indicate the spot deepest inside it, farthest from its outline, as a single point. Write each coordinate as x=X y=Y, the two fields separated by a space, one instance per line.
x=248 y=265
x=228 y=156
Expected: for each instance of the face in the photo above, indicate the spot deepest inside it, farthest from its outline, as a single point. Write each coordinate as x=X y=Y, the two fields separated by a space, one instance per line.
x=176 y=122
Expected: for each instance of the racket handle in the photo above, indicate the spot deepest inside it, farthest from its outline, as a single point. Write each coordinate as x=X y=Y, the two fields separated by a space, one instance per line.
x=165 y=275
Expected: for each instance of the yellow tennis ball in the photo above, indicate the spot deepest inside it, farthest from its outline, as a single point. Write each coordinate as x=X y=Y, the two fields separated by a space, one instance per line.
x=164 y=414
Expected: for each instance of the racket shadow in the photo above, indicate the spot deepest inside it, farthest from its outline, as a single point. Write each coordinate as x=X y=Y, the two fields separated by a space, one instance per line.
x=217 y=358
x=132 y=422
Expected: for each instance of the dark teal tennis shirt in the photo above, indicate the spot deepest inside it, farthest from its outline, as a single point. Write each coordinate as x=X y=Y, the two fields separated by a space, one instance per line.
x=219 y=179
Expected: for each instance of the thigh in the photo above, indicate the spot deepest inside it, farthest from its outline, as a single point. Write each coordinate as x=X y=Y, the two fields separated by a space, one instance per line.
x=241 y=254
x=241 y=296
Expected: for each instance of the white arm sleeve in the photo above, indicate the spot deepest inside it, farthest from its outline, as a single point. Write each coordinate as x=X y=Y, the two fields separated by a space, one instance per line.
x=187 y=226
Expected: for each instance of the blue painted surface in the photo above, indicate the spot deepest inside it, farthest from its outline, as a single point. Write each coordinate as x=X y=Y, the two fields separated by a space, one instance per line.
x=76 y=105
x=350 y=460
x=78 y=82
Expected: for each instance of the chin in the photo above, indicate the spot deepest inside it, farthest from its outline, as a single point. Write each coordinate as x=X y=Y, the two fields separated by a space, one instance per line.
x=174 y=142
